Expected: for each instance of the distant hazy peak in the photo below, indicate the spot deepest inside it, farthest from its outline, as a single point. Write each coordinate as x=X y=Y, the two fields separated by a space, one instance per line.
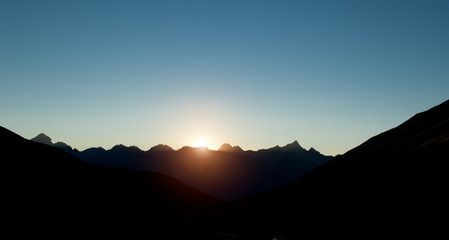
x=293 y=146
x=313 y=150
x=42 y=138
x=161 y=148
x=275 y=148
x=228 y=148
x=95 y=149
x=62 y=145
x=186 y=148
x=123 y=147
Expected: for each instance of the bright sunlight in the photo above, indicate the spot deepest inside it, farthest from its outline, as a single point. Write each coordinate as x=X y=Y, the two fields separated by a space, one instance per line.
x=201 y=142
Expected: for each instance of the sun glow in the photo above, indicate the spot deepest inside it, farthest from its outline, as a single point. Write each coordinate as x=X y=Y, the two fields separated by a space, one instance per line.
x=201 y=142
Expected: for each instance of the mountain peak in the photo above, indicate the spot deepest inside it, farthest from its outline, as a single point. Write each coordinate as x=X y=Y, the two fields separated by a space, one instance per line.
x=121 y=147
x=294 y=146
x=226 y=147
x=42 y=138
x=161 y=148
x=313 y=150
x=62 y=145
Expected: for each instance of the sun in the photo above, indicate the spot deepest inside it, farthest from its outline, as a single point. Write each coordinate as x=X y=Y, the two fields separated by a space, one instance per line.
x=201 y=142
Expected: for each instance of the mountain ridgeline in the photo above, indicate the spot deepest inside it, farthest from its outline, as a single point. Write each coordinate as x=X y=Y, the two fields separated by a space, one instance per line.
x=228 y=173
x=392 y=185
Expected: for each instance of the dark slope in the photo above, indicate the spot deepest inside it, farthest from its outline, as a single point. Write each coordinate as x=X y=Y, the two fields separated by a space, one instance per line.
x=48 y=191
x=394 y=184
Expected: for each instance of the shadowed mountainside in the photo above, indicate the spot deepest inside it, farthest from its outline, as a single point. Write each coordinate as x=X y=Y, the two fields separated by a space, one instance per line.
x=48 y=191
x=394 y=184
x=228 y=173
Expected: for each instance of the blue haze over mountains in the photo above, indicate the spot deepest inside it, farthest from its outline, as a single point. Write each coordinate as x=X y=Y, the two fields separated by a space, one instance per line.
x=227 y=173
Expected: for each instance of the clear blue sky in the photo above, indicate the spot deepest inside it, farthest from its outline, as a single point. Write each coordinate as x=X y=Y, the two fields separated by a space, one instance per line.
x=330 y=74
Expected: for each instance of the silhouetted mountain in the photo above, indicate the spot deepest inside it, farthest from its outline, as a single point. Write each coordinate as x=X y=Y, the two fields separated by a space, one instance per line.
x=42 y=138
x=275 y=148
x=294 y=146
x=391 y=185
x=161 y=148
x=63 y=146
x=312 y=150
x=228 y=148
x=209 y=170
x=291 y=147
x=50 y=192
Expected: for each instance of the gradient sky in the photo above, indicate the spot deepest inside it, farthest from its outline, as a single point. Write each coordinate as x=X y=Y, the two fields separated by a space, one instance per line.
x=330 y=74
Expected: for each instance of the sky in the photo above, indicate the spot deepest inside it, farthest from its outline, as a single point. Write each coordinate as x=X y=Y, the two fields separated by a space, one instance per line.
x=330 y=74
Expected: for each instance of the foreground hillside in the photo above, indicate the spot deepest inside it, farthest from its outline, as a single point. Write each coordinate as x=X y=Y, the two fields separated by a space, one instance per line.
x=394 y=184
x=47 y=191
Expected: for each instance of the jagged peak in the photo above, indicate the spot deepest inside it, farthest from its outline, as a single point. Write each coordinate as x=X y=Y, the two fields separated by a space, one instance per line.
x=121 y=146
x=42 y=138
x=313 y=150
x=226 y=147
x=94 y=149
x=293 y=146
x=277 y=147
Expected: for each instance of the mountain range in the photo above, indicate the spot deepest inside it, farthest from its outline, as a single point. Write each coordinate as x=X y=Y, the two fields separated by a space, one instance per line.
x=393 y=185
x=228 y=173
x=49 y=192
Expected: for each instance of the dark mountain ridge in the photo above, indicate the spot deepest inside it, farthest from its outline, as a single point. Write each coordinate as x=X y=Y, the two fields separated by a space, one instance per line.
x=228 y=173
x=391 y=185
x=226 y=147
x=294 y=146
x=161 y=148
